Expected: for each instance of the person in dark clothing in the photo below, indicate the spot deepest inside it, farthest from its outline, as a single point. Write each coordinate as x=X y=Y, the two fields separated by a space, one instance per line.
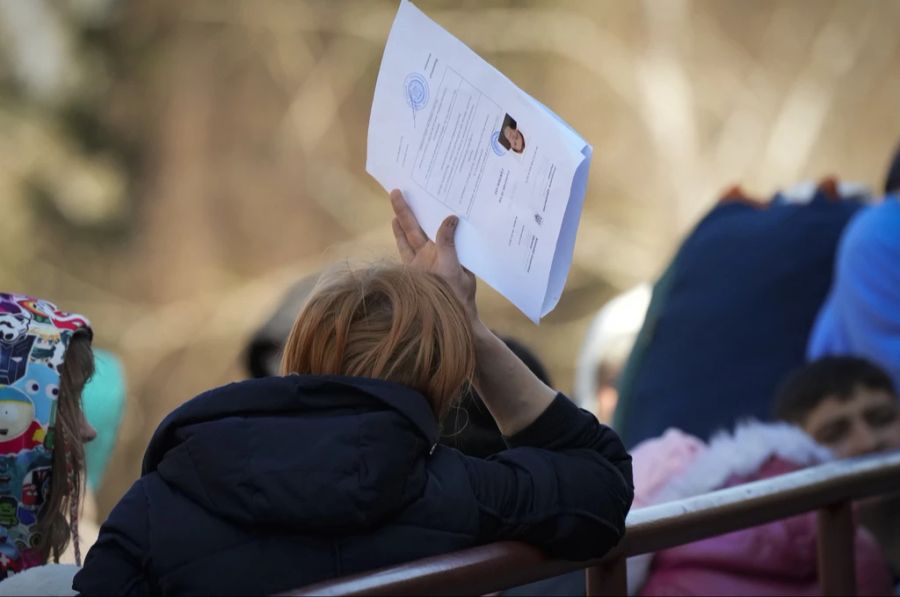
x=470 y=428
x=272 y=484
x=262 y=355
x=892 y=180
x=731 y=314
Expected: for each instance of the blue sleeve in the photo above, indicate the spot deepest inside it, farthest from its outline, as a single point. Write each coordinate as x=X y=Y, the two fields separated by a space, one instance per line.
x=117 y=564
x=564 y=485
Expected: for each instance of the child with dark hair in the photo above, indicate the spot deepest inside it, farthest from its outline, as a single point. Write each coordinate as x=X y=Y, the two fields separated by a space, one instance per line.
x=850 y=405
x=845 y=403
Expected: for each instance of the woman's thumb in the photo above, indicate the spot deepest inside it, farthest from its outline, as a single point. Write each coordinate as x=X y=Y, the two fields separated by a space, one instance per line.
x=446 y=234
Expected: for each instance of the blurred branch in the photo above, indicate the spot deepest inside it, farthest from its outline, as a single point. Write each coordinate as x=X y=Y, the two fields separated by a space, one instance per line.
x=570 y=35
x=154 y=331
x=799 y=122
x=316 y=104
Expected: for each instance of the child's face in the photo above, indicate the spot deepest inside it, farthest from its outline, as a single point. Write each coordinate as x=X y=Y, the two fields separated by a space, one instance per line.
x=868 y=421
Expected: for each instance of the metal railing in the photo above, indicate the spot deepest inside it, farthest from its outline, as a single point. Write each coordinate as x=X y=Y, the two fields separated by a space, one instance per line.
x=829 y=488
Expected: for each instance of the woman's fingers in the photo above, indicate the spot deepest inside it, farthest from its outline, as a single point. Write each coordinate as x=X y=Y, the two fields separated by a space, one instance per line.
x=406 y=252
x=415 y=236
x=437 y=257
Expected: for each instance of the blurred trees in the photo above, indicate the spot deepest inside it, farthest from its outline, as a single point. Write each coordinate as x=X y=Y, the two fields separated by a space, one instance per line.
x=169 y=168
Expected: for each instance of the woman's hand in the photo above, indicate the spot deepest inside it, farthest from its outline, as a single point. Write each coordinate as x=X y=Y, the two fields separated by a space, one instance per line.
x=439 y=258
x=510 y=390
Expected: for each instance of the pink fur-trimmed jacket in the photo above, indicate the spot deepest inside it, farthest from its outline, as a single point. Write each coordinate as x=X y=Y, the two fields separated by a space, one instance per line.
x=778 y=558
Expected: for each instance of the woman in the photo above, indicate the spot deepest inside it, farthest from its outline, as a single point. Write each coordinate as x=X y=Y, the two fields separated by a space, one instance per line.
x=271 y=484
x=45 y=360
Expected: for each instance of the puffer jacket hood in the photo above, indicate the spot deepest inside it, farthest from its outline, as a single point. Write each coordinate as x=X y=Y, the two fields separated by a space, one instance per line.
x=296 y=431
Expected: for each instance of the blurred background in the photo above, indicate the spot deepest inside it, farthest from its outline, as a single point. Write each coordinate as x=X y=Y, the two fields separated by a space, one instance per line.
x=170 y=168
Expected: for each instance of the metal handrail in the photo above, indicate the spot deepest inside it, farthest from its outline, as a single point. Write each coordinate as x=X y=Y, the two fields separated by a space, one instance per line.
x=828 y=488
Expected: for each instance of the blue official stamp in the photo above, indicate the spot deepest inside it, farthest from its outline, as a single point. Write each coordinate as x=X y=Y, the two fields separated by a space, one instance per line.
x=416 y=89
x=495 y=144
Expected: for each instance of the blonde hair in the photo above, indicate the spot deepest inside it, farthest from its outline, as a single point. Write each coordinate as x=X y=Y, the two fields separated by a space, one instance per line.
x=389 y=322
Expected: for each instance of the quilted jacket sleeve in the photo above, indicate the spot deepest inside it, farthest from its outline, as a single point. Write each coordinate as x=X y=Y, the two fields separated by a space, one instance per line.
x=565 y=485
x=116 y=564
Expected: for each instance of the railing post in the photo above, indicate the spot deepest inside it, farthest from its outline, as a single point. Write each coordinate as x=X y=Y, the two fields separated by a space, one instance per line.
x=607 y=579
x=837 y=558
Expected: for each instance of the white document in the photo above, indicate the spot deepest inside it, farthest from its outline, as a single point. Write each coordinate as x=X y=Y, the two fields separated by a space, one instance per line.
x=457 y=137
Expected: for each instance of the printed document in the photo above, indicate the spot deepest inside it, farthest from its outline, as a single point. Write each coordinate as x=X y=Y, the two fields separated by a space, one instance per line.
x=457 y=137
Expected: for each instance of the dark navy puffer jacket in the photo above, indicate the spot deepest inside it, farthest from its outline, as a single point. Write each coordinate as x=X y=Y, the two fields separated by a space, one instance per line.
x=272 y=484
